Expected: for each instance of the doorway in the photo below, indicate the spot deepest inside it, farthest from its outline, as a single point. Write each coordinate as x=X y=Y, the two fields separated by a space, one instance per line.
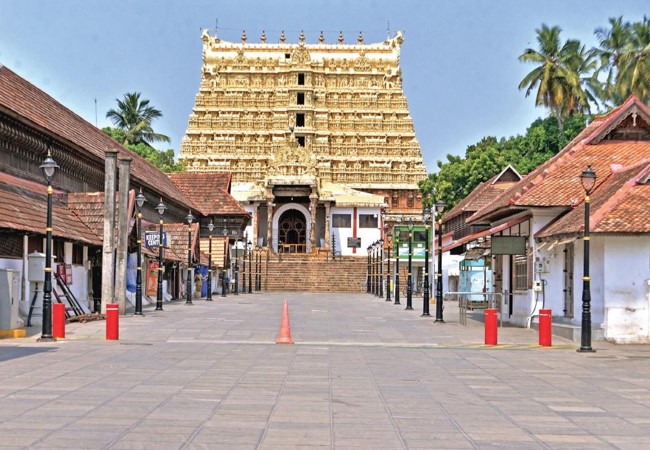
x=292 y=232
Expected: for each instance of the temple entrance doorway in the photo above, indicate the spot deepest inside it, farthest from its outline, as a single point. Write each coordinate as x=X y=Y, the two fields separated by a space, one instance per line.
x=292 y=232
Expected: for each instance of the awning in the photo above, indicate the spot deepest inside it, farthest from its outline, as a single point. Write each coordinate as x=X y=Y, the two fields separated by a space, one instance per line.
x=476 y=253
x=491 y=231
x=561 y=242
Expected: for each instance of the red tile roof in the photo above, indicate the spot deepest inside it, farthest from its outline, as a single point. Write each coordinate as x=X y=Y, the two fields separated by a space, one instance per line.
x=556 y=183
x=23 y=207
x=208 y=192
x=484 y=194
x=27 y=103
x=619 y=205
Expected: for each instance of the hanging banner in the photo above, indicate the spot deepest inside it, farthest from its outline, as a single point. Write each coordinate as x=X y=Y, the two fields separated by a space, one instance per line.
x=152 y=278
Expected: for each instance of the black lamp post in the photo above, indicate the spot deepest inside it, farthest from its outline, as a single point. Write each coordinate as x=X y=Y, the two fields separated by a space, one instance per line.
x=258 y=272
x=388 y=272
x=48 y=167
x=409 y=279
x=440 y=207
x=426 y=215
x=250 y=267
x=397 y=233
x=381 y=268
x=588 y=180
x=139 y=201
x=224 y=288
x=235 y=232
x=210 y=228
x=188 y=293
x=159 y=291
x=243 y=282
x=368 y=286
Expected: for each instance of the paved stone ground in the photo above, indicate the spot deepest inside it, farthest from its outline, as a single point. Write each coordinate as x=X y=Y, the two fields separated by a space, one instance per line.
x=363 y=374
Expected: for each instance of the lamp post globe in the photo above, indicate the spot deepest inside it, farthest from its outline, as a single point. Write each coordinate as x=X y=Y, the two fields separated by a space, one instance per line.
x=210 y=229
x=48 y=167
x=588 y=181
x=161 y=208
x=140 y=200
x=440 y=207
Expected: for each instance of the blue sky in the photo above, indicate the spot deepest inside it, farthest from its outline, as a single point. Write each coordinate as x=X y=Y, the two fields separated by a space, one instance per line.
x=459 y=59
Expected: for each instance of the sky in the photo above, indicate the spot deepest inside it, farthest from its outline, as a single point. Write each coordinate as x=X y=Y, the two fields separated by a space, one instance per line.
x=459 y=59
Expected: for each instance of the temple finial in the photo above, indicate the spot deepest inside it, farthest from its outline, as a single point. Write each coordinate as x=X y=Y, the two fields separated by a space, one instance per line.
x=321 y=38
x=263 y=38
x=283 y=39
x=341 y=40
x=243 y=37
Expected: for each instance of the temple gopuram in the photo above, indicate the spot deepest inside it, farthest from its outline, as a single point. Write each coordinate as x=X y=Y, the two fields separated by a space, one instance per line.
x=318 y=138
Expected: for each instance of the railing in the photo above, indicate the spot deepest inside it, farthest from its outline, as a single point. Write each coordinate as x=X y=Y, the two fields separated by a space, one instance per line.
x=475 y=300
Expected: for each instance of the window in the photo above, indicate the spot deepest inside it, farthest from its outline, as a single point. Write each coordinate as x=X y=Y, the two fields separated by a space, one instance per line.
x=520 y=272
x=58 y=251
x=301 y=140
x=300 y=119
x=341 y=221
x=419 y=236
x=300 y=98
x=77 y=254
x=368 y=221
x=301 y=79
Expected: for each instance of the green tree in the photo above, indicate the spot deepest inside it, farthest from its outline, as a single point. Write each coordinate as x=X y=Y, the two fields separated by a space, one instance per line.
x=624 y=56
x=134 y=116
x=557 y=76
x=164 y=160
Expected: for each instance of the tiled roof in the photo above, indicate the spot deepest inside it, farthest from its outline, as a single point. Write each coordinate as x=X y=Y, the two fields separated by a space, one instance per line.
x=484 y=194
x=23 y=207
x=208 y=192
x=556 y=183
x=36 y=108
x=619 y=205
x=177 y=245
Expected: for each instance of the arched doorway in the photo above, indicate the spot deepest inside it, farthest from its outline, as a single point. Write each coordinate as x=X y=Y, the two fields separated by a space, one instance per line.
x=292 y=232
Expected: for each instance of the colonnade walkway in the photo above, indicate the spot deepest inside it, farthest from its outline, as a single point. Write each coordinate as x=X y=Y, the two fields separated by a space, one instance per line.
x=363 y=374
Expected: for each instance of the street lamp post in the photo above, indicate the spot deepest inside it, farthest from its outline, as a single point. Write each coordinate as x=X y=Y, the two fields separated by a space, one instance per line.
x=381 y=268
x=259 y=269
x=224 y=288
x=397 y=233
x=588 y=180
x=188 y=294
x=159 y=291
x=139 y=201
x=235 y=232
x=368 y=286
x=409 y=279
x=243 y=282
x=210 y=228
x=249 y=245
x=48 y=167
x=440 y=207
x=388 y=272
x=426 y=215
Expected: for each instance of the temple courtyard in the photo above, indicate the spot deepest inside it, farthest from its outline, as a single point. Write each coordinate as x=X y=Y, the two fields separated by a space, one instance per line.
x=363 y=373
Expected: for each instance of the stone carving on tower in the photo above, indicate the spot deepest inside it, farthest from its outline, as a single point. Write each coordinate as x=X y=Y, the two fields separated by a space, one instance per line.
x=337 y=109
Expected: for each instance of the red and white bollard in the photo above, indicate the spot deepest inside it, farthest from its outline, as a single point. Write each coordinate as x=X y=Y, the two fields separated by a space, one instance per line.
x=491 y=326
x=112 y=322
x=545 y=328
x=58 y=320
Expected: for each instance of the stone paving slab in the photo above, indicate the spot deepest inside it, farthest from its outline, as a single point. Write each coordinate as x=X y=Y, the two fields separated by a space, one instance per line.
x=363 y=374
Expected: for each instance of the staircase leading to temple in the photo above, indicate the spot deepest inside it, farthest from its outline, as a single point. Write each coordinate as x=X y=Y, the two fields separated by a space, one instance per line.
x=314 y=274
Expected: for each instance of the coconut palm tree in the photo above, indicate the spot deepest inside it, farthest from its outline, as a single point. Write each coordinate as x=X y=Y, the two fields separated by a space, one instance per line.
x=634 y=68
x=558 y=84
x=134 y=117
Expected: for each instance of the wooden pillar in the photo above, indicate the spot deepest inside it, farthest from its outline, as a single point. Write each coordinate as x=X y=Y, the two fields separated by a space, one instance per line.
x=122 y=234
x=108 y=287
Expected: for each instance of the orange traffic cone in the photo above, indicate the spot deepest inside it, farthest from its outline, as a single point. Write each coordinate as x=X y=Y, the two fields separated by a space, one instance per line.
x=284 y=337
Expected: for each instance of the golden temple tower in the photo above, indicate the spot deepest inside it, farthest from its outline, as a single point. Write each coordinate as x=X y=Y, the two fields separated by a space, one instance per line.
x=316 y=122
